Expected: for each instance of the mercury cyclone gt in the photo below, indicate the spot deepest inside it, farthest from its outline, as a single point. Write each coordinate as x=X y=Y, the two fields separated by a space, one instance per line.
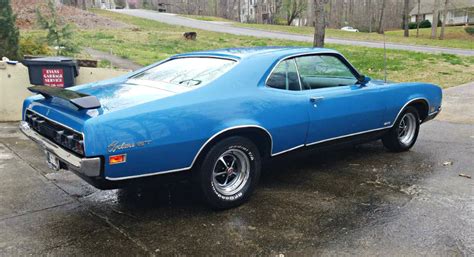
x=217 y=114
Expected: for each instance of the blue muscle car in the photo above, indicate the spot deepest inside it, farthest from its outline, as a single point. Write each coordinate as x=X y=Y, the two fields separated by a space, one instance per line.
x=218 y=114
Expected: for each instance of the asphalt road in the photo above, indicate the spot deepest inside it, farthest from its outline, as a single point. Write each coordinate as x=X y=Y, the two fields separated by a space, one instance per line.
x=358 y=201
x=225 y=27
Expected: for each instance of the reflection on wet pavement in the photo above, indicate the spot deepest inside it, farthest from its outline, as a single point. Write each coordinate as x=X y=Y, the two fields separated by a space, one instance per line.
x=362 y=201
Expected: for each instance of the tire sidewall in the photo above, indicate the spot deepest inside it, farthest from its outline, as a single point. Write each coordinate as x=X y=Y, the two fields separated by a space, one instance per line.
x=210 y=194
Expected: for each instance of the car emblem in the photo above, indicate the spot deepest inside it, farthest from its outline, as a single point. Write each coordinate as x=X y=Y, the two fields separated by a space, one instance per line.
x=116 y=146
x=230 y=171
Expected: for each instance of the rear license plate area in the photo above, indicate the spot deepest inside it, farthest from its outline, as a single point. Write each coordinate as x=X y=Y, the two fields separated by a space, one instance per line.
x=52 y=160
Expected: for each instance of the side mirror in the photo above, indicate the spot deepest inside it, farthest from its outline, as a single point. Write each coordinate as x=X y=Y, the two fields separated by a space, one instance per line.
x=363 y=80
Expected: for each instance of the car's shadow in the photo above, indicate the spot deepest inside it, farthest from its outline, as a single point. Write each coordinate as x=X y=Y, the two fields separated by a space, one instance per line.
x=334 y=171
x=308 y=198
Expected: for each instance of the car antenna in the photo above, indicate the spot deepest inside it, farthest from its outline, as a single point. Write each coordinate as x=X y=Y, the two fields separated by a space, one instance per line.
x=384 y=59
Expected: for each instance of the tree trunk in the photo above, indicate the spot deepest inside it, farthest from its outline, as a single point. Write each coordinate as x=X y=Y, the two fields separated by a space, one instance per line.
x=434 y=24
x=320 y=22
x=369 y=11
x=380 y=29
x=418 y=19
x=240 y=10
x=406 y=32
x=445 y=14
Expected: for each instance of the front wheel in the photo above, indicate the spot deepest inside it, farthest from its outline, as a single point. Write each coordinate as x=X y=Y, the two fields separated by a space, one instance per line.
x=402 y=136
x=229 y=172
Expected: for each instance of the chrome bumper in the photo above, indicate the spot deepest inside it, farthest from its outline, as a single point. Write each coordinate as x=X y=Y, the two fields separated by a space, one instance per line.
x=89 y=167
x=433 y=114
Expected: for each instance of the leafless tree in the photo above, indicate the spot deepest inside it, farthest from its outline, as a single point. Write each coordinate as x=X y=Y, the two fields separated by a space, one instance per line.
x=294 y=9
x=434 y=24
x=320 y=22
x=369 y=15
x=418 y=20
x=380 y=29
x=406 y=10
x=445 y=13
x=366 y=15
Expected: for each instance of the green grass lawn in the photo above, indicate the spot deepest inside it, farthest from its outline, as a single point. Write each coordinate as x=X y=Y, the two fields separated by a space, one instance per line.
x=150 y=41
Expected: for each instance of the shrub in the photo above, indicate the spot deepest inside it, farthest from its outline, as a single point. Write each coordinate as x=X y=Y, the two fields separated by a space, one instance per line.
x=9 y=34
x=469 y=30
x=33 y=46
x=279 y=21
x=425 y=24
x=411 y=25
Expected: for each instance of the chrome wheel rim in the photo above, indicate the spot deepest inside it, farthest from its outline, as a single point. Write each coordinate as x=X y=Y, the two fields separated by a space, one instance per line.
x=407 y=128
x=231 y=172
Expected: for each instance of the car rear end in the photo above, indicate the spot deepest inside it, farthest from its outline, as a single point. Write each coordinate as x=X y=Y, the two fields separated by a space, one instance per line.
x=58 y=128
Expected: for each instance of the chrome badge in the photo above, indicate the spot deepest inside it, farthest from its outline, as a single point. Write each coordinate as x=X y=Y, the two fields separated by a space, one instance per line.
x=116 y=146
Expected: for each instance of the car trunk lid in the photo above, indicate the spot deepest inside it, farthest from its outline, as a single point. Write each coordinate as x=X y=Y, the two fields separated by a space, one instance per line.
x=63 y=105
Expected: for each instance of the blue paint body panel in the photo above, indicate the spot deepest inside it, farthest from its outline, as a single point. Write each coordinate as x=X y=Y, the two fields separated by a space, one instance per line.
x=178 y=125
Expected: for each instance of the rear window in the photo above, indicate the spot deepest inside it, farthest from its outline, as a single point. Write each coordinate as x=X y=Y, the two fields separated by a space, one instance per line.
x=187 y=72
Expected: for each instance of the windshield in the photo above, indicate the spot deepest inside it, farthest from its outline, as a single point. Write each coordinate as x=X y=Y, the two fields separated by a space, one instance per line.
x=187 y=72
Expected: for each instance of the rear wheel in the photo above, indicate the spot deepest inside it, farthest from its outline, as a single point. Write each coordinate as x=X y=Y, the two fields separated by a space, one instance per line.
x=229 y=173
x=402 y=136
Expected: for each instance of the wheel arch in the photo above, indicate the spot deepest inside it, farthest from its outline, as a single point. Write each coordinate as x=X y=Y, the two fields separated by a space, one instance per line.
x=422 y=107
x=421 y=104
x=257 y=134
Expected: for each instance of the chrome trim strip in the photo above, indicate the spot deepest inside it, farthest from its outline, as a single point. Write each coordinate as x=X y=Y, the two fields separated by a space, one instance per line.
x=298 y=74
x=288 y=150
x=407 y=103
x=306 y=54
x=198 y=153
x=348 y=135
x=372 y=130
x=148 y=174
x=60 y=124
x=231 y=58
x=435 y=112
x=228 y=129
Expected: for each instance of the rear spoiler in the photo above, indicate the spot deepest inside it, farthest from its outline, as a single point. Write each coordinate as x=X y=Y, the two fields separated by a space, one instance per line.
x=80 y=100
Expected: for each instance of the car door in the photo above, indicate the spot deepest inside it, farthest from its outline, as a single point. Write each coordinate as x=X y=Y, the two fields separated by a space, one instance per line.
x=337 y=105
x=288 y=115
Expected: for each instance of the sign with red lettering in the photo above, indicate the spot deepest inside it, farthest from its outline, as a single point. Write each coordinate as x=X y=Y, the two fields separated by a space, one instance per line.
x=53 y=77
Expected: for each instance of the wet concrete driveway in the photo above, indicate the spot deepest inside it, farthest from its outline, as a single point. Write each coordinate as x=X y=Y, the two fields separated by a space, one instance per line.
x=354 y=201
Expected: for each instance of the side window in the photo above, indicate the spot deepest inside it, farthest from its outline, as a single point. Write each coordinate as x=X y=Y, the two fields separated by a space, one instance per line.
x=320 y=71
x=284 y=76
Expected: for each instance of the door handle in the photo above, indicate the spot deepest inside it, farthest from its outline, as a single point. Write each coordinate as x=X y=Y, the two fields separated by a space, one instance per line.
x=315 y=99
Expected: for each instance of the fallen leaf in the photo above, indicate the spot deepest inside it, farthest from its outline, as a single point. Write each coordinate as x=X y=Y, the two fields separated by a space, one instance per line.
x=464 y=175
x=447 y=163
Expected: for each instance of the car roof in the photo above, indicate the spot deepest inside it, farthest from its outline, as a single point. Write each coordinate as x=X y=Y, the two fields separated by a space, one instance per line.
x=247 y=52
